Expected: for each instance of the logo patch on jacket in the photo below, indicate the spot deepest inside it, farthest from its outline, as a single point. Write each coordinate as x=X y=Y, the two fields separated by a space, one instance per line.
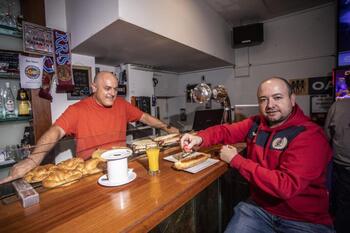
x=280 y=143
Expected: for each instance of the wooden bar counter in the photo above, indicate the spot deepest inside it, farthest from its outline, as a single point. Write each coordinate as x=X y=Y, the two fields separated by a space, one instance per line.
x=86 y=206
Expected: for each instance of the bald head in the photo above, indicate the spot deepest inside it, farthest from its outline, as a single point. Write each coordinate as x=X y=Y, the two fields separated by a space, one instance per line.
x=104 y=74
x=104 y=88
x=282 y=81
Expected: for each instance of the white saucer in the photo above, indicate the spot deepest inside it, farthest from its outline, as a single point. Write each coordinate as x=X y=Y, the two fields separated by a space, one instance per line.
x=103 y=180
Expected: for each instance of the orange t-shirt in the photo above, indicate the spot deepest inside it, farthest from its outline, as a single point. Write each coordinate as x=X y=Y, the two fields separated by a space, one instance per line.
x=95 y=126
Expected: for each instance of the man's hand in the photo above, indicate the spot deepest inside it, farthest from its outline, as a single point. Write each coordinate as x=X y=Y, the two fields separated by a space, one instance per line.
x=188 y=141
x=227 y=153
x=172 y=130
x=19 y=170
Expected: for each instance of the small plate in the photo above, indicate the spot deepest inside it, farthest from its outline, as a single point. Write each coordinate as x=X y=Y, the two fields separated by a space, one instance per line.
x=103 y=180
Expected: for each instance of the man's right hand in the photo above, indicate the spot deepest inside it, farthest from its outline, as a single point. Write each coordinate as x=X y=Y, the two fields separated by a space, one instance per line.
x=19 y=170
x=188 y=141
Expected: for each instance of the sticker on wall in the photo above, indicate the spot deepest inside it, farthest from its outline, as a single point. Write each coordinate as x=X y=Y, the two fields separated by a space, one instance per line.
x=31 y=71
x=299 y=86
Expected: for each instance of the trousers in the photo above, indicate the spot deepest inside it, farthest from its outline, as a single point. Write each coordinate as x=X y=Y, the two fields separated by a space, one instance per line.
x=249 y=218
x=340 y=198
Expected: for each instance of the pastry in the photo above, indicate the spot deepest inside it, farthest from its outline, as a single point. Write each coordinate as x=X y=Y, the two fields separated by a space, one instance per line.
x=92 y=166
x=60 y=177
x=97 y=154
x=72 y=164
x=39 y=173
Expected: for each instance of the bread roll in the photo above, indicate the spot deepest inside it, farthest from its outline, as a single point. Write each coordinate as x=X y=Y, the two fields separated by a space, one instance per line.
x=191 y=161
x=72 y=164
x=39 y=173
x=141 y=145
x=59 y=177
x=166 y=137
x=97 y=154
x=169 y=139
x=92 y=167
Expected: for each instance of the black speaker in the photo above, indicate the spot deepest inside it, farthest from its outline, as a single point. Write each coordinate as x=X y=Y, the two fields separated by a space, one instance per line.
x=247 y=35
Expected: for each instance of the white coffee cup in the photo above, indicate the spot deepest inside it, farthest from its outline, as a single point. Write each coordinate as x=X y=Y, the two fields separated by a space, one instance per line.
x=117 y=164
x=117 y=170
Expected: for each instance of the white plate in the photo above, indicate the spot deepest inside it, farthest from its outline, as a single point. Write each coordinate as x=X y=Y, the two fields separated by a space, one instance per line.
x=103 y=180
x=115 y=154
x=198 y=167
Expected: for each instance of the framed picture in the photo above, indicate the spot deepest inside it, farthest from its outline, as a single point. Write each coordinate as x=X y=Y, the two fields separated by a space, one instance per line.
x=37 y=39
x=82 y=81
x=319 y=106
x=320 y=103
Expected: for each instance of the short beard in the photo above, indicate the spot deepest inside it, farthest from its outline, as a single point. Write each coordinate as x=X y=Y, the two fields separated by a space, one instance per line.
x=275 y=122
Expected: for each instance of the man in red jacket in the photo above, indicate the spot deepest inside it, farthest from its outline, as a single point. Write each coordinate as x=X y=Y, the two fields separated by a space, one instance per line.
x=286 y=164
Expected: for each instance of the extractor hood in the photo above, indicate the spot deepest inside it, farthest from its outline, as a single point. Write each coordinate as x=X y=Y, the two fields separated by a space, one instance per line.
x=123 y=42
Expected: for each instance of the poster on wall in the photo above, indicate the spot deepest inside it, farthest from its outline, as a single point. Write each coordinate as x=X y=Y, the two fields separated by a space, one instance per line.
x=320 y=86
x=299 y=86
x=319 y=106
x=82 y=80
x=37 y=39
x=31 y=71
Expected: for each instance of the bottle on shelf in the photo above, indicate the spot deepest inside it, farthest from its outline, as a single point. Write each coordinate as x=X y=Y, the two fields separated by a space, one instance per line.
x=14 y=92
x=2 y=103
x=9 y=99
x=23 y=103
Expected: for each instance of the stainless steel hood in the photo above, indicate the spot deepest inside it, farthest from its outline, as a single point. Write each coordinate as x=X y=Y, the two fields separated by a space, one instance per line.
x=122 y=42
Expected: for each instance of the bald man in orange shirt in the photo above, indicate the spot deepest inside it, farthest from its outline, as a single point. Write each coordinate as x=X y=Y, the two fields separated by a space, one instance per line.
x=98 y=121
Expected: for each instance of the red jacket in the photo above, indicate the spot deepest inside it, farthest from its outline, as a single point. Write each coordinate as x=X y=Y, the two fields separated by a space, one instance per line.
x=286 y=166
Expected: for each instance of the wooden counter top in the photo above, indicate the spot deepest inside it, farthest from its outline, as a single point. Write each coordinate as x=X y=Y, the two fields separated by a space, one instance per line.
x=86 y=206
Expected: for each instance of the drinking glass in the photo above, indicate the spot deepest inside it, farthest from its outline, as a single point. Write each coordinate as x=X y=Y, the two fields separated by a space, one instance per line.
x=152 y=152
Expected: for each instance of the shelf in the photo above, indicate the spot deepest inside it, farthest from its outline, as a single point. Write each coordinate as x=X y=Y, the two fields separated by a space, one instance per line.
x=9 y=75
x=166 y=97
x=24 y=118
x=10 y=31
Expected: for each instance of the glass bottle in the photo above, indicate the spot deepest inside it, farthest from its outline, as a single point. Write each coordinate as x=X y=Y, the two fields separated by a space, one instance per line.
x=2 y=103
x=14 y=92
x=23 y=103
x=9 y=102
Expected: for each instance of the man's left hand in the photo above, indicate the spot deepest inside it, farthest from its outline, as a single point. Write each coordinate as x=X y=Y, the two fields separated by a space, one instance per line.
x=227 y=153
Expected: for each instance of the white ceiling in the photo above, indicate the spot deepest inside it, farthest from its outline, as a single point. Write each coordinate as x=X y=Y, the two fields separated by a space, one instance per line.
x=122 y=42
x=238 y=12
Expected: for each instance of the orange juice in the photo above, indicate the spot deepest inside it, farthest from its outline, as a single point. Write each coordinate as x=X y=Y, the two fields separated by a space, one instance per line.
x=153 y=159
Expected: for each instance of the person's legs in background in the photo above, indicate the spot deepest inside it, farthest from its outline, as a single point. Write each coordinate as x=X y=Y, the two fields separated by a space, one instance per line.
x=341 y=198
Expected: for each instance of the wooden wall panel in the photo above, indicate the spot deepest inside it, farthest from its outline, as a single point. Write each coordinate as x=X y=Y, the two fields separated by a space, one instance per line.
x=34 y=11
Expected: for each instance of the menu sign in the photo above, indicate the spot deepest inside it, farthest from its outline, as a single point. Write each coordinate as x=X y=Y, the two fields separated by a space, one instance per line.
x=37 y=39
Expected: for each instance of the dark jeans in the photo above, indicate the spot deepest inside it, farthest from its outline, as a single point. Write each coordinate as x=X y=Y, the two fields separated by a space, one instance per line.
x=340 y=196
x=249 y=218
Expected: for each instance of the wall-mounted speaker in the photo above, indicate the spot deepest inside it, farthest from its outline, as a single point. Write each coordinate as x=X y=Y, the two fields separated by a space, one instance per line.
x=247 y=35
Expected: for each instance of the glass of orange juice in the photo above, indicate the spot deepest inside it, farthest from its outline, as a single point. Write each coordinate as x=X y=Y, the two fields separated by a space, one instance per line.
x=152 y=152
